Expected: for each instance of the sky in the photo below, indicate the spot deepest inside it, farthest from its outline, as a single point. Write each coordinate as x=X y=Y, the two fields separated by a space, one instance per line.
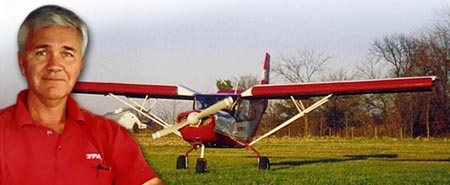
x=196 y=42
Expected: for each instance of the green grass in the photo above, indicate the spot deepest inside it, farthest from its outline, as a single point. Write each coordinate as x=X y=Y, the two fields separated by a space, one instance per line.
x=308 y=161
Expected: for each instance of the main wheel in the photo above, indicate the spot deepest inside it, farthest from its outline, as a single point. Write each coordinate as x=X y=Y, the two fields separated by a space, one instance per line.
x=201 y=165
x=264 y=163
x=182 y=162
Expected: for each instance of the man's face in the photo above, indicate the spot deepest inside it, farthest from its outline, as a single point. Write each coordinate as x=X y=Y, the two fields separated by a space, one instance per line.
x=52 y=61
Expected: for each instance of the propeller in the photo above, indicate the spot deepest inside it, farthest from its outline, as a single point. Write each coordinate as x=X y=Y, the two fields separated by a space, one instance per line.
x=194 y=118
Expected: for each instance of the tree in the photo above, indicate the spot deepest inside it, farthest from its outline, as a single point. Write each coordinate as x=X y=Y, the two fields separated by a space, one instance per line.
x=246 y=81
x=376 y=107
x=343 y=112
x=421 y=55
x=303 y=66
x=400 y=50
x=224 y=84
x=168 y=109
x=437 y=53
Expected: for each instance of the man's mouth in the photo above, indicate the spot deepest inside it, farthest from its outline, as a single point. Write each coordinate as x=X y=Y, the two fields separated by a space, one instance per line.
x=54 y=79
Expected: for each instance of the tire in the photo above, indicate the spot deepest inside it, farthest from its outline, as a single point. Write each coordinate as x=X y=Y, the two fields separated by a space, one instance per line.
x=264 y=163
x=182 y=162
x=135 y=128
x=201 y=165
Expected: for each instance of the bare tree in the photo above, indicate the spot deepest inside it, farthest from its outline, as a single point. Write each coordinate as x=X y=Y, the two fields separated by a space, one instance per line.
x=440 y=39
x=246 y=81
x=398 y=50
x=168 y=109
x=370 y=69
x=377 y=107
x=303 y=66
x=343 y=112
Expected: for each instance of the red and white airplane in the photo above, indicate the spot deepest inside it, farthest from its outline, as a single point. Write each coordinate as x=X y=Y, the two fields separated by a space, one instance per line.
x=231 y=118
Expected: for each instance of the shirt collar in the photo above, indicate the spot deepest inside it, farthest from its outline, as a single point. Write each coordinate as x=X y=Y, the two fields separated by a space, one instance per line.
x=23 y=116
x=74 y=111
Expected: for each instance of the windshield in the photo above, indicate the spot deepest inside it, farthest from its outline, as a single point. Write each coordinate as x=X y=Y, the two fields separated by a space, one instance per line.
x=205 y=101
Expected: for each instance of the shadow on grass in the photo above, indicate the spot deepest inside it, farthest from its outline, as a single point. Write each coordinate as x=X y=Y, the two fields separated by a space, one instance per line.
x=289 y=164
x=392 y=156
x=423 y=160
x=381 y=156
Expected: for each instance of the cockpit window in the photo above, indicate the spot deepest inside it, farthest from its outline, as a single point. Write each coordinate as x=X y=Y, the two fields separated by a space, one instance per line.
x=202 y=103
x=205 y=101
x=246 y=111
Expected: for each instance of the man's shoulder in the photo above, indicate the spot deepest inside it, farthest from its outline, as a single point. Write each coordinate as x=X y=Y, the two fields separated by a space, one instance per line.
x=7 y=112
x=98 y=121
x=105 y=129
x=6 y=116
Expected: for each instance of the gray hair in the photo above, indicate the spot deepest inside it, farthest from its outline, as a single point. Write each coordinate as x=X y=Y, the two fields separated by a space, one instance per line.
x=51 y=15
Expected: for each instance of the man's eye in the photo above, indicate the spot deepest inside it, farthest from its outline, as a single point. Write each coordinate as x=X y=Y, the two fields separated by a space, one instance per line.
x=67 y=54
x=41 y=53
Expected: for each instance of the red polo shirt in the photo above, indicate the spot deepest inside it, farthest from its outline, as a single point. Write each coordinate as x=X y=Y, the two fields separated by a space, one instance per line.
x=91 y=150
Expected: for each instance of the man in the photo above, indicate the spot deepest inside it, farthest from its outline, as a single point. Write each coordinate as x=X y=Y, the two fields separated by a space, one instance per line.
x=45 y=138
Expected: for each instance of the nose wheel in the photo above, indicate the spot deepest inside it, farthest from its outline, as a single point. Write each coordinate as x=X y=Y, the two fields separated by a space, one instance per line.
x=182 y=162
x=200 y=167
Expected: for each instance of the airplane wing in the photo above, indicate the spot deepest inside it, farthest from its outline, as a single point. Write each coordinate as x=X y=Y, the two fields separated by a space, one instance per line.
x=306 y=90
x=135 y=90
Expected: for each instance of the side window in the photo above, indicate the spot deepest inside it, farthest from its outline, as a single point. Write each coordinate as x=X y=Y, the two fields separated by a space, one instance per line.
x=246 y=111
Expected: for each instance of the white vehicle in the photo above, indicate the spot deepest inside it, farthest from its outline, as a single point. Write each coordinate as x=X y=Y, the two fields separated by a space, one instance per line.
x=126 y=119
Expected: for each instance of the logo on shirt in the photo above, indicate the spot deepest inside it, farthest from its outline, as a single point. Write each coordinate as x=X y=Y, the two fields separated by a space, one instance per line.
x=91 y=156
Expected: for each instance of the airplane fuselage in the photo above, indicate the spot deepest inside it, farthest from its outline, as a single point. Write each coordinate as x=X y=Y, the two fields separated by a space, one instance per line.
x=226 y=128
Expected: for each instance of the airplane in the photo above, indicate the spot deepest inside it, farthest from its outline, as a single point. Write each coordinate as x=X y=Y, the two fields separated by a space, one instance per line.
x=230 y=118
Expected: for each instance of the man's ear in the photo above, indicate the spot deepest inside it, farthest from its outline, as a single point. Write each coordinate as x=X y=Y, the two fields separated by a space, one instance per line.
x=21 y=63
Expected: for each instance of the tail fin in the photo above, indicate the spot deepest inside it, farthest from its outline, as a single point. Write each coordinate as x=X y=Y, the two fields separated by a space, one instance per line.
x=266 y=70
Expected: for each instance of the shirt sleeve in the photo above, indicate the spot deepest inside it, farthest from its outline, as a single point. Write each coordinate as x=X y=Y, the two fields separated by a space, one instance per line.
x=129 y=164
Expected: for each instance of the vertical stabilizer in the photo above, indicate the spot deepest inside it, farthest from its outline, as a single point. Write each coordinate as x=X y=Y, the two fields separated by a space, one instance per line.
x=266 y=70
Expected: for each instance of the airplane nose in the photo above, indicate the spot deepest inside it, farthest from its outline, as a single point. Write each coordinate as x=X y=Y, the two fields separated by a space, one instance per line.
x=193 y=118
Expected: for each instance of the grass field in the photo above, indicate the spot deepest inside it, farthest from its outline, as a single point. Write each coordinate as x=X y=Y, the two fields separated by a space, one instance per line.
x=308 y=161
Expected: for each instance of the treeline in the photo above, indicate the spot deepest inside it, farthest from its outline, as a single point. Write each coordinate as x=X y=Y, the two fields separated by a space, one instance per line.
x=414 y=114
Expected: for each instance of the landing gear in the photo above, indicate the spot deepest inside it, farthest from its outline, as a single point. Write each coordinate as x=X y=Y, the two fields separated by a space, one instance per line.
x=200 y=167
x=182 y=162
x=263 y=163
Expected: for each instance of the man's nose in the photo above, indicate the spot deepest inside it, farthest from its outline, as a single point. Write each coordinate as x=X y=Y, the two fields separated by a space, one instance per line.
x=54 y=63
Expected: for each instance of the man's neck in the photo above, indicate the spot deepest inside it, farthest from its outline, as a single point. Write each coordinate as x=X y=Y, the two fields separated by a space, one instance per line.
x=49 y=113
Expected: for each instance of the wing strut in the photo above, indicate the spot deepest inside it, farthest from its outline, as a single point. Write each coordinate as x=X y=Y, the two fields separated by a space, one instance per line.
x=297 y=116
x=298 y=104
x=142 y=107
x=149 y=115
